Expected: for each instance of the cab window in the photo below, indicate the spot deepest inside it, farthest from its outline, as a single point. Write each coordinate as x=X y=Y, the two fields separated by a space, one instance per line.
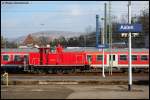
x=99 y=57
x=17 y=58
x=5 y=57
x=89 y=58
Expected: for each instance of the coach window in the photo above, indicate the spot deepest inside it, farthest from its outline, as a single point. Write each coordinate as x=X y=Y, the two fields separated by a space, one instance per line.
x=123 y=57
x=17 y=58
x=89 y=58
x=144 y=57
x=112 y=56
x=5 y=57
x=134 y=57
x=99 y=57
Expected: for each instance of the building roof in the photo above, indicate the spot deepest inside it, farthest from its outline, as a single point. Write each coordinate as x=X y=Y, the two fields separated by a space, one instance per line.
x=20 y=50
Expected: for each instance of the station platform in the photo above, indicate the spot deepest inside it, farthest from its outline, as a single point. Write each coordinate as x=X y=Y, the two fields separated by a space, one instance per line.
x=47 y=80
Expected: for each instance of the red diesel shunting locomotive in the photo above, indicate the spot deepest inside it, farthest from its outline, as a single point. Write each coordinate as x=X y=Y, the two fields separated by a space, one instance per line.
x=45 y=60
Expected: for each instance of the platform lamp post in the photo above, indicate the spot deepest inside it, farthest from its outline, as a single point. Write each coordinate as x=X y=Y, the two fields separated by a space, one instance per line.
x=103 y=42
x=110 y=40
x=97 y=29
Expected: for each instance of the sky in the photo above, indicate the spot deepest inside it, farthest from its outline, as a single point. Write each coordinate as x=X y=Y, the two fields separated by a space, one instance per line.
x=20 y=18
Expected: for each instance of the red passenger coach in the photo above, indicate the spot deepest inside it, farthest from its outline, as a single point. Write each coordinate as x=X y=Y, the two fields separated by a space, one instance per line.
x=140 y=59
x=13 y=60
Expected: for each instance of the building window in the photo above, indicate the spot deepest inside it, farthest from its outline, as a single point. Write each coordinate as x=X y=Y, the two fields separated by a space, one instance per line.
x=17 y=58
x=99 y=57
x=144 y=57
x=134 y=57
x=123 y=57
x=89 y=58
x=5 y=58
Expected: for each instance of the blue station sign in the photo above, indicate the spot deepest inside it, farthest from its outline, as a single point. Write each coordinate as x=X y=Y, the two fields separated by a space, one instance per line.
x=129 y=28
x=103 y=46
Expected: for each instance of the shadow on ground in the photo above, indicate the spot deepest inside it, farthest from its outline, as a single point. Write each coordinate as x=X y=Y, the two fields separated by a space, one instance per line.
x=120 y=89
x=141 y=82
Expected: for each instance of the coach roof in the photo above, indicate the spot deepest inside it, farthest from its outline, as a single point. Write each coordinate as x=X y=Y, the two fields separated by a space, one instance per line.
x=70 y=49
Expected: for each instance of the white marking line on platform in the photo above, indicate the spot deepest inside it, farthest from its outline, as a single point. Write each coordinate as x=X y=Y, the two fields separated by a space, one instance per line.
x=4 y=90
x=58 y=82
x=37 y=90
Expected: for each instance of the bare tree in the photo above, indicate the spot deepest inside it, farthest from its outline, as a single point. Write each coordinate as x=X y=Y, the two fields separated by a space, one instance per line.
x=43 y=41
x=87 y=31
x=2 y=42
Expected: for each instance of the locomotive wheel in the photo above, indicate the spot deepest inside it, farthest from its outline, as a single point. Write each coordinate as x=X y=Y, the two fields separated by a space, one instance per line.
x=65 y=71
x=54 y=71
x=72 y=70
x=60 y=70
x=41 y=71
x=38 y=71
x=50 y=71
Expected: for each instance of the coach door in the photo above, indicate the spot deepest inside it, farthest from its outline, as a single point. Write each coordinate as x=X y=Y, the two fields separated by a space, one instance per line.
x=114 y=61
x=26 y=59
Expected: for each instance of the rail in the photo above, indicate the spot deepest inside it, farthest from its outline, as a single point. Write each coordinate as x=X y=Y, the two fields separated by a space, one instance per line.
x=5 y=75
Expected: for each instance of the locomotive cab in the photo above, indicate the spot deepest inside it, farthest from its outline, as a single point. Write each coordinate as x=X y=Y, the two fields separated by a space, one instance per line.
x=45 y=51
x=42 y=52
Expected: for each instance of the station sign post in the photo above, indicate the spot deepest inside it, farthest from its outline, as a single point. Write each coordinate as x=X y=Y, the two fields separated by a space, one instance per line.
x=129 y=28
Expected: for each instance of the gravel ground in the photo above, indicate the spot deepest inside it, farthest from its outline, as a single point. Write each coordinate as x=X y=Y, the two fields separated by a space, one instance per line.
x=74 y=92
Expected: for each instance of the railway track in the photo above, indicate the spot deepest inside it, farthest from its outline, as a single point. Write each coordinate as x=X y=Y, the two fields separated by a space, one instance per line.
x=78 y=78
